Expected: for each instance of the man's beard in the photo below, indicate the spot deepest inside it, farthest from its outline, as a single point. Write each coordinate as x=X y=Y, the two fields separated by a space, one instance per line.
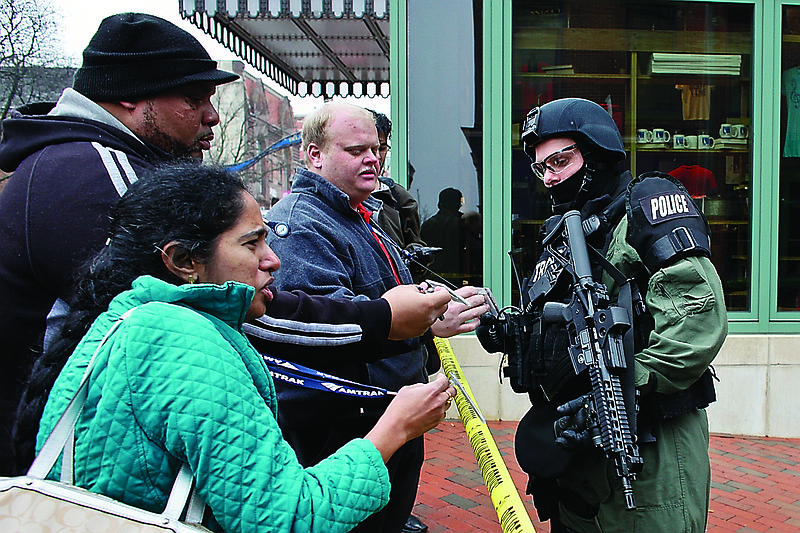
x=154 y=135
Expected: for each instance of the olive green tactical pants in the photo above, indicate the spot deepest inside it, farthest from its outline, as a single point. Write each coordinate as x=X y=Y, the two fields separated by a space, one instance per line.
x=672 y=492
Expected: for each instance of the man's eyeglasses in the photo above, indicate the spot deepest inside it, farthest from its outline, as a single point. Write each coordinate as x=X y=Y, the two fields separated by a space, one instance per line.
x=557 y=162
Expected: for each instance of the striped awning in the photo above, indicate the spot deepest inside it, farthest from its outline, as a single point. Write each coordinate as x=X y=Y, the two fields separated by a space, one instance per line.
x=310 y=47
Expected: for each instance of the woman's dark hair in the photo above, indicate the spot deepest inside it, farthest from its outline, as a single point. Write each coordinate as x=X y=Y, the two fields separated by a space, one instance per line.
x=188 y=203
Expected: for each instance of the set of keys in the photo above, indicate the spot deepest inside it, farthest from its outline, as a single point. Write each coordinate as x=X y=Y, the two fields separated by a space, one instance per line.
x=494 y=309
x=432 y=285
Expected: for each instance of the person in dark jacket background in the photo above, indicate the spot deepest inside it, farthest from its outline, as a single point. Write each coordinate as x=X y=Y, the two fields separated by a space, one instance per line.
x=70 y=166
x=445 y=230
x=399 y=214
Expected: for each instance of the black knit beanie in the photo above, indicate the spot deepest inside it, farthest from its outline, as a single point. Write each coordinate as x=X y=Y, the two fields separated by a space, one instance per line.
x=134 y=56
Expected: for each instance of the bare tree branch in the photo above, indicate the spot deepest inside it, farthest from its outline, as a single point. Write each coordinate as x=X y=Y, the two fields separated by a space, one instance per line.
x=28 y=39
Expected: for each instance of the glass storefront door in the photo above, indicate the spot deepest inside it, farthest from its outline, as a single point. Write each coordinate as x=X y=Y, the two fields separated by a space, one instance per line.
x=789 y=196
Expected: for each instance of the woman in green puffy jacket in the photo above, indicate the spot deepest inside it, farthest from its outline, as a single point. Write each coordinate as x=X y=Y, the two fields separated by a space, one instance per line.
x=178 y=382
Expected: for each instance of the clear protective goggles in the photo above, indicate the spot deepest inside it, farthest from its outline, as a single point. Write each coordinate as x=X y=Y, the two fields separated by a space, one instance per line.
x=557 y=162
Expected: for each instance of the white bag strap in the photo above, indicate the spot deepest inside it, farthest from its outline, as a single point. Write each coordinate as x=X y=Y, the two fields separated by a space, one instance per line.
x=180 y=495
x=196 y=508
x=62 y=438
x=63 y=430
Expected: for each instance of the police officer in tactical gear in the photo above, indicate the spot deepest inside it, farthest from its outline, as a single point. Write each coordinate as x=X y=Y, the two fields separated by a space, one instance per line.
x=656 y=242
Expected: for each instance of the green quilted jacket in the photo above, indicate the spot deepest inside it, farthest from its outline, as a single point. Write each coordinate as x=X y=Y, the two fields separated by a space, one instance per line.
x=178 y=381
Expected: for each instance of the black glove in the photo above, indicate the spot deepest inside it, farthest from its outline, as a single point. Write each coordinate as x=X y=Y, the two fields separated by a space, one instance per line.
x=490 y=334
x=578 y=427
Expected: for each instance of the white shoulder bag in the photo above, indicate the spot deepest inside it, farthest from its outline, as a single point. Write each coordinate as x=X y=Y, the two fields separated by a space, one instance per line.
x=33 y=503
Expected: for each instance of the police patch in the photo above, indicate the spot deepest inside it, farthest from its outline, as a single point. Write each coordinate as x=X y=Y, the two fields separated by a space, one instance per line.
x=661 y=207
x=664 y=223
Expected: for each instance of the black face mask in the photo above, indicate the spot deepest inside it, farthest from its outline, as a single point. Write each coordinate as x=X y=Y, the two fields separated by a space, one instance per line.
x=564 y=193
x=583 y=186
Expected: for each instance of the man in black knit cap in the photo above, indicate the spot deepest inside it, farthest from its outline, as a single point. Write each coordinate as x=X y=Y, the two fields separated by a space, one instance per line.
x=141 y=97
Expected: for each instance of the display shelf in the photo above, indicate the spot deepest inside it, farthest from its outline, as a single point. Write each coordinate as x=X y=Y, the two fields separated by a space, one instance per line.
x=715 y=222
x=609 y=39
x=576 y=75
x=692 y=151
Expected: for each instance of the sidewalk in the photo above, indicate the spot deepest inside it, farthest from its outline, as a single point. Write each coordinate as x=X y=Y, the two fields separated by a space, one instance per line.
x=755 y=483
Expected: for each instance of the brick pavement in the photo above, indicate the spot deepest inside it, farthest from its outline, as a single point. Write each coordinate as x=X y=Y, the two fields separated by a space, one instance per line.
x=755 y=483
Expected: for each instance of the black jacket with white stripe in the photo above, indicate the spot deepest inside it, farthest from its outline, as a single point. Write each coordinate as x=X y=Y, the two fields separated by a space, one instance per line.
x=67 y=172
x=323 y=332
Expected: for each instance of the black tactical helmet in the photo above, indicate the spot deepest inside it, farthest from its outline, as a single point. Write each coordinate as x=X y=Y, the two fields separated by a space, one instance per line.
x=581 y=120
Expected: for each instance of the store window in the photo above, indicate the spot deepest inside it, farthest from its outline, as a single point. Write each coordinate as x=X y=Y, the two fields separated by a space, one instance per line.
x=445 y=132
x=676 y=78
x=789 y=203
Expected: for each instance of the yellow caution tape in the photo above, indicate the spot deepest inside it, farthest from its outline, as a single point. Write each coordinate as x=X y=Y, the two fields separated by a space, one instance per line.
x=505 y=498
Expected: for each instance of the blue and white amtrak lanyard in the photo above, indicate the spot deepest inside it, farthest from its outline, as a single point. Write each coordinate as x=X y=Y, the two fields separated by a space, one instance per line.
x=308 y=378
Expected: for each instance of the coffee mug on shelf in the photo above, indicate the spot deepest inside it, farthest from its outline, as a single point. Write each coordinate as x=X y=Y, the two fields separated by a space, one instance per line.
x=726 y=131
x=705 y=142
x=740 y=131
x=691 y=142
x=644 y=136
x=660 y=136
x=679 y=141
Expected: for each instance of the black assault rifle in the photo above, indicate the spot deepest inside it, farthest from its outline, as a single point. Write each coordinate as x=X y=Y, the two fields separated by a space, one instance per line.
x=596 y=331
